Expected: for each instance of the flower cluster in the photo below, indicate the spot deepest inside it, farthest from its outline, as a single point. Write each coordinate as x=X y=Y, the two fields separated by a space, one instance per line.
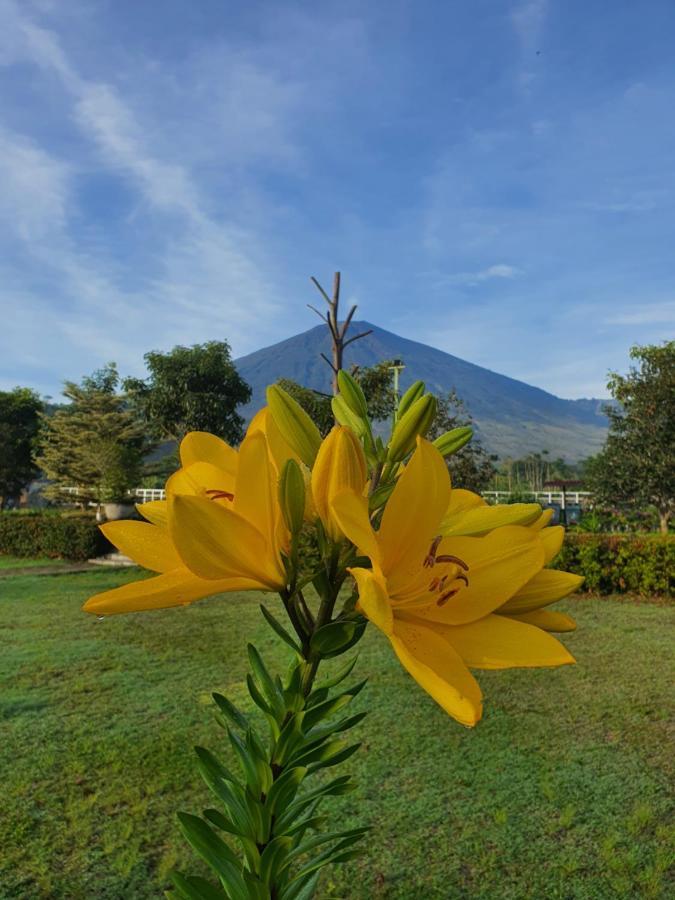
x=453 y=583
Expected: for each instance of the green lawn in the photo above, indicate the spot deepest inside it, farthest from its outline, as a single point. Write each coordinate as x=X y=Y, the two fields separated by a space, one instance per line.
x=561 y=791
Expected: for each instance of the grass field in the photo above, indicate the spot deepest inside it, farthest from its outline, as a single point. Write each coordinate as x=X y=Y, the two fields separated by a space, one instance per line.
x=561 y=791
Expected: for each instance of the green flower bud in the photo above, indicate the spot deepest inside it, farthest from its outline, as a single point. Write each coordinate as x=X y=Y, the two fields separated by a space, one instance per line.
x=352 y=394
x=454 y=440
x=344 y=415
x=292 y=495
x=296 y=427
x=416 y=421
x=414 y=392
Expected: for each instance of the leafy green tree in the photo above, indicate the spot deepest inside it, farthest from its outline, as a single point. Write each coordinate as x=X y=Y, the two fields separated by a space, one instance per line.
x=472 y=467
x=636 y=468
x=95 y=443
x=19 y=423
x=193 y=388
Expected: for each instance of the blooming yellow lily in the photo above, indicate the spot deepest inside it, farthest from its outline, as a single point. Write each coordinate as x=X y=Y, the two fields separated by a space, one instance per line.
x=435 y=597
x=219 y=530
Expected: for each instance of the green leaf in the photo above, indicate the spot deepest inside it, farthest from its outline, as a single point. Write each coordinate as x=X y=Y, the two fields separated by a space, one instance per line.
x=339 y=676
x=338 y=727
x=284 y=789
x=290 y=735
x=221 y=821
x=361 y=622
x=333 y=637
x=215 y=853
x=225 y=788
x=334 y=757
x=321 y=711
x=274 y=857
x=231 y=712
x=302 y=888
x=257 y=697
x=248 y=763
x=266 y=682
x=193 y=887
x=279 y=628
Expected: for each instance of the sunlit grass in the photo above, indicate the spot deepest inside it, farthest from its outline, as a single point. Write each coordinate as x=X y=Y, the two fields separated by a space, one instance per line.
x=561 y=792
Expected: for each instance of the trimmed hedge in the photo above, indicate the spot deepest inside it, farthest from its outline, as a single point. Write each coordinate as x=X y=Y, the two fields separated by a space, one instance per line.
x=70 y=536
x=620 y=563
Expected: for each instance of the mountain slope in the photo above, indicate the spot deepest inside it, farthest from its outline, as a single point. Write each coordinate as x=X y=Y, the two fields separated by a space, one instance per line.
x=512 y=418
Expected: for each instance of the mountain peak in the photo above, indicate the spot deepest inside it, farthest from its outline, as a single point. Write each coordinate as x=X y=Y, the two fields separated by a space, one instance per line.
x=512 y=418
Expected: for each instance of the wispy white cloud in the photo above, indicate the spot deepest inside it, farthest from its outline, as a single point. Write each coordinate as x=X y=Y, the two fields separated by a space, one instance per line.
x=644 y=314
x=495 y=272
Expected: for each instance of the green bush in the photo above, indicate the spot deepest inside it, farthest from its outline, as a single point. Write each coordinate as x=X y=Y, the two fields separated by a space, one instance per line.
x=67 y=536
x=620 y=563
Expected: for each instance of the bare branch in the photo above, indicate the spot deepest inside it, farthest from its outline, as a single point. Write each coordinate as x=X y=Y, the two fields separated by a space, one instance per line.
x=345 y=324
x=356 y=337
x=323 y=356
x=323 y=293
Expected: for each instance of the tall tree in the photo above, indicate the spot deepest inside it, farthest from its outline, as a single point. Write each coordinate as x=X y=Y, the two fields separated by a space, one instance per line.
x=193 y=388
x=95 y=443
x=19 y=422
x=472 y=467
x=637 y=465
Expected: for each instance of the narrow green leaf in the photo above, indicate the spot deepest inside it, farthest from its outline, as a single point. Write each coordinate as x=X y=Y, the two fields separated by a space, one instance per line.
x=279 y=629
x=231 y=712
x=273 y=858
x=257 y=697
x=323 y=710
x=339 y=676
x=284 y=789
x=215 y=853
x=193 y=887
x=265 y=681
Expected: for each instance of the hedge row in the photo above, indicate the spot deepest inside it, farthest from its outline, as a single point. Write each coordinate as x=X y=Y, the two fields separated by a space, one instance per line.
x=621 y=563
x=70 y=536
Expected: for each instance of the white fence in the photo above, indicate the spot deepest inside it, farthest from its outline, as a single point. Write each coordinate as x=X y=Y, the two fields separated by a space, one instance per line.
x=144 y=495
x=542 y=496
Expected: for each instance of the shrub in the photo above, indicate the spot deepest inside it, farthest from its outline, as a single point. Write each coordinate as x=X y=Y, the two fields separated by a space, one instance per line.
x=620 y=563
x=73 y=536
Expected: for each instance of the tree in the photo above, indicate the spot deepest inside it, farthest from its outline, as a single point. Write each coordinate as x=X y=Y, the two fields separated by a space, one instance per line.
x=471 y=468
x=636 y=468
x=95 y=443
x=19 y=423
x=193 y=388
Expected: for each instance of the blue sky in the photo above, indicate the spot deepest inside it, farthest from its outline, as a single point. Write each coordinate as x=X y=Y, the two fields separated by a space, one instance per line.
x=495 y=178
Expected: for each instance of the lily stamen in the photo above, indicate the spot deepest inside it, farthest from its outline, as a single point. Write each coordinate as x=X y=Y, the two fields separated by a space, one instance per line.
x=219 y=495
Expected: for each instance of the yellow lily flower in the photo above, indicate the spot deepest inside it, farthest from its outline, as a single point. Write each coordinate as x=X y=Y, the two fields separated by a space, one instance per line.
x=436 y=597
x=216 y=532
x=469 y=513
x=340 y=465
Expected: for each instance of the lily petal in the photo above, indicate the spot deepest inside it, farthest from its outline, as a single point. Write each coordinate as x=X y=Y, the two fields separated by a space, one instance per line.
x=547 y=586
x=171 y=589
x=497 y=642
x=373 y=600
x=548 y=619
x=257 y=500
x=154 y=511
x=351 y=512
x=543 y=520
x=482 y=519
x=215 y=542
x=146 y=544
x=340 y=465
x=201 y=479
x=553 y=540
x=200 y=446
x=439 y=669
x=411 y=517
x=499 y=564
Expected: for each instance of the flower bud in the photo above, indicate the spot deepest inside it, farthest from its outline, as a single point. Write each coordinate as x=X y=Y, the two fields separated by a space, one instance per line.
x=416 y=421
x=340 y=466
x=352 y=394
x=414 y=392
x=296 y=427
x=344 y=415
x=292 y=495
x=453 y=440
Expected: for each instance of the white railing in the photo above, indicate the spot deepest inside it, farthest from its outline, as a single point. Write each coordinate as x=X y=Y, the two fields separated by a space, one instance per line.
x=546 y=496
x=147 y=494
